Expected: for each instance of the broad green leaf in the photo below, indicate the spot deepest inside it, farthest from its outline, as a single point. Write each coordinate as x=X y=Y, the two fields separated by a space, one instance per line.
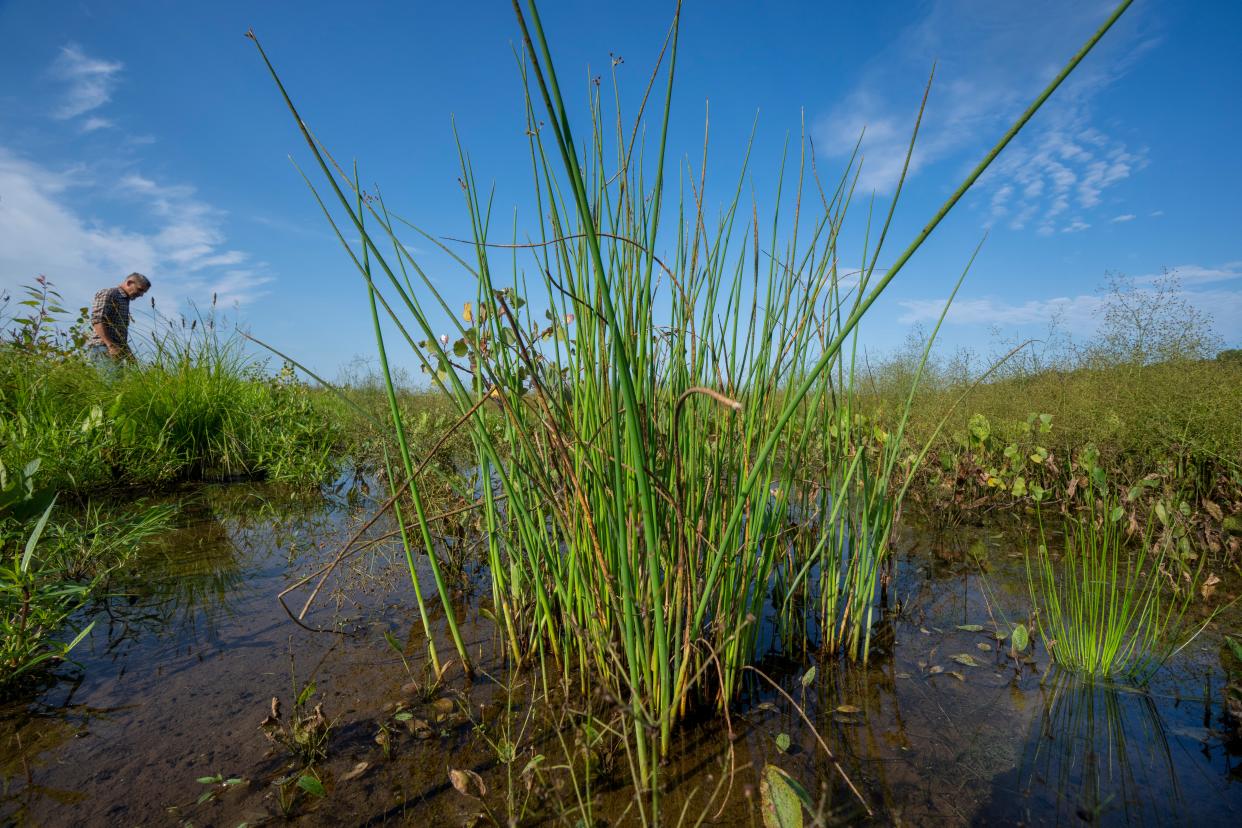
x=779 y=801
x=808 y=677
x=311 y=785
x=1020 y=638
x=33 y=541
x=782 y=742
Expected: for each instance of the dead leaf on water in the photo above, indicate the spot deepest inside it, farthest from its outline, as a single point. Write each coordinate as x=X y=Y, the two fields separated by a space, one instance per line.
x=970 y=627
x=462 y=780
x=957 y=675
x=359 y=770
x=936 y=668
x=985 y=646
x=966 y=659
x=848 y=708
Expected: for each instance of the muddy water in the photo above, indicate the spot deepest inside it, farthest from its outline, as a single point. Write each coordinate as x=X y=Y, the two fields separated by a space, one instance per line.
x=191 y=646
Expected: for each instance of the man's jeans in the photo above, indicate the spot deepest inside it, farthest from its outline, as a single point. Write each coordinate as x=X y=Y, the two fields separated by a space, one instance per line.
x=109 y=367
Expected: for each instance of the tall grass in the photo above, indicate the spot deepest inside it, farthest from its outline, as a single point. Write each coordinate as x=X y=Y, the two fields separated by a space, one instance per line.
x=196 y=407
x=646 y=488
x=1103 y=611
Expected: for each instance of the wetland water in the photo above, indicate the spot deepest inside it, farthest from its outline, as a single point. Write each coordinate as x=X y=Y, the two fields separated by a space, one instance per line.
x=191 y=646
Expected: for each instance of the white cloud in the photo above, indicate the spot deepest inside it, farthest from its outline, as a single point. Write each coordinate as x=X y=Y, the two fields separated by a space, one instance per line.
x=1194 y=274
x=988 y=311
x=95 y=122
x=90 y=81
x=174 y=237
x=1157 y=213
x=1123 y=217
x=990 y=61
x=1221 y=304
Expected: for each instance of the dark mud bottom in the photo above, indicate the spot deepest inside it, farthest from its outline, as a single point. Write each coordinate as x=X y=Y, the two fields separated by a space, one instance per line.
x=186 y=656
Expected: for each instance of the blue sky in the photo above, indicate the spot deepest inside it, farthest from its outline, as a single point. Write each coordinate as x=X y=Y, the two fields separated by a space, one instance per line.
x=148 y=136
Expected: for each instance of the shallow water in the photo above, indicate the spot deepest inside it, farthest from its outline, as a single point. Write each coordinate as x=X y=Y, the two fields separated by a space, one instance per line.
x=192 y=645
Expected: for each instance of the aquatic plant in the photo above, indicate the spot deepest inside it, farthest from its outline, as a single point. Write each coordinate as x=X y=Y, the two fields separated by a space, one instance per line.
x=646 y=481
x=1103 y=611
x=35 y=603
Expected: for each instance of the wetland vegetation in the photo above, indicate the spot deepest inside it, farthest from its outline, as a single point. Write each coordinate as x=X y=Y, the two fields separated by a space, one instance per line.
x=656 y=545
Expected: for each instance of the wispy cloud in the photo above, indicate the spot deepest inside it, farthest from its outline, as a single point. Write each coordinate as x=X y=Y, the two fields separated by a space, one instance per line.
x=1122 y=218
x=1193 y=274
x=1222 y=304
x=990 y=59
x=90 y=81
x=174 y=236
x=990 y=311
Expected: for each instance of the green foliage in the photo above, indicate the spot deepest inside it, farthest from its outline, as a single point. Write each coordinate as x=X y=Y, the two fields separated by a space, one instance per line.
x=640 y=494
x=1102 y=611
x=35 y=603
x=198 y=407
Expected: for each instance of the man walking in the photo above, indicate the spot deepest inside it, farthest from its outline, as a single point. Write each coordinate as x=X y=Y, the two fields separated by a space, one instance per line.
x=110 y=319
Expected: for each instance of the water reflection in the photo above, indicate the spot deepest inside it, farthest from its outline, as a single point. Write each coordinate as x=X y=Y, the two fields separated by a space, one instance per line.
x=1096 y=753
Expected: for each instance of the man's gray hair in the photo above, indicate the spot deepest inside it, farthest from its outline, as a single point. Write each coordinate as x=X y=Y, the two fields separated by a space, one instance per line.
x=143 y=281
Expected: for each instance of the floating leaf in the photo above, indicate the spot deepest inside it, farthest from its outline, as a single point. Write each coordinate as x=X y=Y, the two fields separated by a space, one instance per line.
x=1021 y=637
x=970 y=627
x=984 y=646
x=808 y=677
x=782 y=742
x=848 y=708
x=957 y=675
x=312 y=786
x=966 y=659
x=780 y=803
x=902 y=675
x=358 y=770
x=936 y=668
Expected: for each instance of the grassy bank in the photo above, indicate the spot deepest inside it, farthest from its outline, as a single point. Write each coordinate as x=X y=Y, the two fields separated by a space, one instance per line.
x=1165 y=437
x=192 y=407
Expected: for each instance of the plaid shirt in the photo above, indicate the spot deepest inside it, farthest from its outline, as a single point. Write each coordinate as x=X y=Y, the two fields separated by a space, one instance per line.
x=110 y=309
